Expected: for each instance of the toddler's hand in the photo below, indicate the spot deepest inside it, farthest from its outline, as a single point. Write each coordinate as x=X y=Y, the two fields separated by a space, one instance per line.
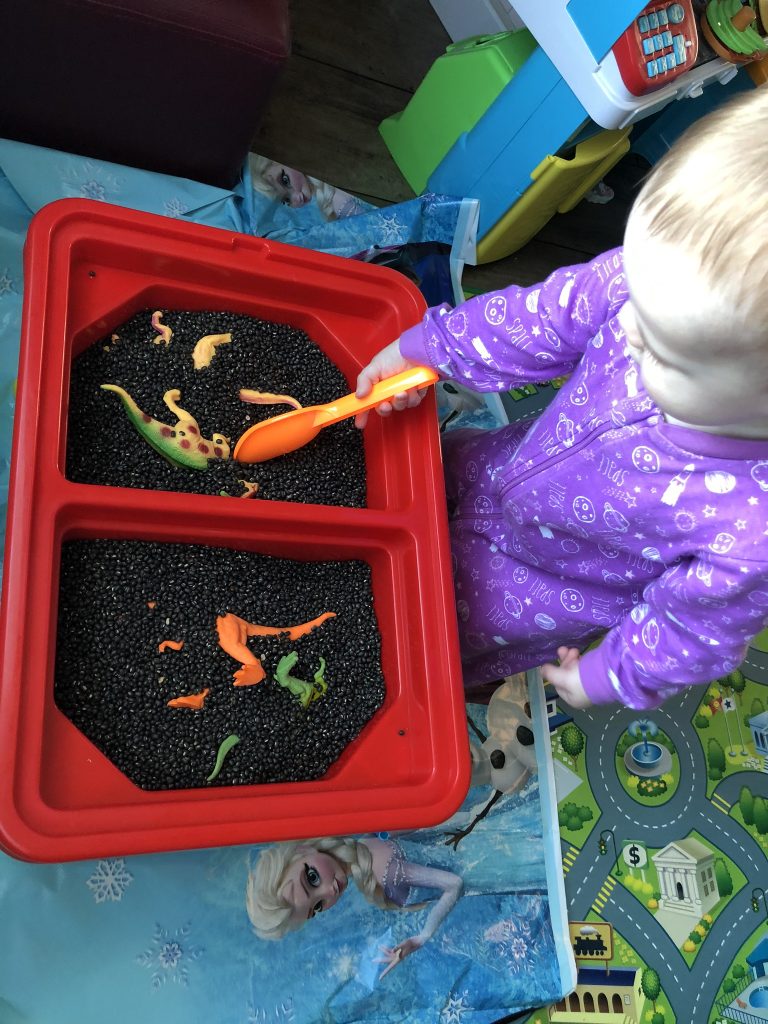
x=386 y=363
x=566 y=678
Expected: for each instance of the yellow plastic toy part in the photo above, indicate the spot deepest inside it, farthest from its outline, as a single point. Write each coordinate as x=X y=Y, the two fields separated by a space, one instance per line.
x=758 y=72
x=558 y=185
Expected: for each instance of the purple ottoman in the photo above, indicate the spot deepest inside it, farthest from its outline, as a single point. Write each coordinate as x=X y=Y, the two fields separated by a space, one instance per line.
x=177 y=86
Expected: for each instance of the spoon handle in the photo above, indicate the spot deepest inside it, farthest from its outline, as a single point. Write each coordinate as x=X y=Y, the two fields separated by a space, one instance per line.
x=350 y=405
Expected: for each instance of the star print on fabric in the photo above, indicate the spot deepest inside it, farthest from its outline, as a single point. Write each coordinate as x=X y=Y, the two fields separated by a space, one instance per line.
x=753 y=500
x=741 y=524
x=528 y=601
x=635 y=639
x=743 y=568
x=535 y=330
x=709 y=511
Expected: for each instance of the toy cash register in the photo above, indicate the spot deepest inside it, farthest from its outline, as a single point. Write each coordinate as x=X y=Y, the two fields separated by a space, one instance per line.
x=622 y=60
x=660 y=45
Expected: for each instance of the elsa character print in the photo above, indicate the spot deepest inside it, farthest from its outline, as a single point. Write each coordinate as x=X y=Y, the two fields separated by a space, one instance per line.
x=294 y=882
x=295 y=189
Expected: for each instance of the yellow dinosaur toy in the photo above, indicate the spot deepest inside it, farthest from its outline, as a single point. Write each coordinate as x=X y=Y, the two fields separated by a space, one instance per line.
x=182 y=443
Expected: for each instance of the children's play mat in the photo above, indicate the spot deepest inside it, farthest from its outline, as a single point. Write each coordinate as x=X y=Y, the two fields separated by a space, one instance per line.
x=664 y=840
x=617 y=857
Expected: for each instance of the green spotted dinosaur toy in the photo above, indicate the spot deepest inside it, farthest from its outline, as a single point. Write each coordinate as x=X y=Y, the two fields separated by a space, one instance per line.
x=306 y=692
x=181 y=444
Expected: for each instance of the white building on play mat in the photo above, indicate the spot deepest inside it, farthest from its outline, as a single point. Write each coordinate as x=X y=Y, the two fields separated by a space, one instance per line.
x=687 y=882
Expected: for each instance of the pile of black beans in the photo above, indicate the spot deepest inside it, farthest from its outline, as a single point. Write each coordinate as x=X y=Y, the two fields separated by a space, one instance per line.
x=120 y=599
x=104 y=448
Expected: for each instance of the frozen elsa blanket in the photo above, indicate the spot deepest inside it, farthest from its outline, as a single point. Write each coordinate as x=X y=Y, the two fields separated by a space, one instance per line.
x=167 y=938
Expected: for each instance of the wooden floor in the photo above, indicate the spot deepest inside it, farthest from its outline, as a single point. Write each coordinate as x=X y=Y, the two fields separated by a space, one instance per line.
x=355 y=62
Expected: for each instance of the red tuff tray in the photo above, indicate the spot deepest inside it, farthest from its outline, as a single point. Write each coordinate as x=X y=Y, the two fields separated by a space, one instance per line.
x=88 y=267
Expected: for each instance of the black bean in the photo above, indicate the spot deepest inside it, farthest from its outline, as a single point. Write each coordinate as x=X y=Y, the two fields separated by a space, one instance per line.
x=110 y=679
x=103 y=447
x=108 y=667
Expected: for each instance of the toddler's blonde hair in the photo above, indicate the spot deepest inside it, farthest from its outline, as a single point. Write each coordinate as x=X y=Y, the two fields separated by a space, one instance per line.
x=708 y=196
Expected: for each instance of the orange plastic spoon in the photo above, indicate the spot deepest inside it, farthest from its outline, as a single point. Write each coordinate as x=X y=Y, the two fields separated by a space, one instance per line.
x=292 y=430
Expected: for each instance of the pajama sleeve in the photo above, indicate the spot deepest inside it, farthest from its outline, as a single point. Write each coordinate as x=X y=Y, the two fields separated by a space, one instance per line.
x=520 y=335
x=694 y=625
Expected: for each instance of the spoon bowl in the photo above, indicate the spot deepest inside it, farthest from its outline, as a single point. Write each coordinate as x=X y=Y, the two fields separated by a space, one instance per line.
x=282 y=434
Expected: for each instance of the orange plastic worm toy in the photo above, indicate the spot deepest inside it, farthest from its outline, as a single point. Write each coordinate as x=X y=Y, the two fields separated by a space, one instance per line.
x=234 y=631
x=192 y=700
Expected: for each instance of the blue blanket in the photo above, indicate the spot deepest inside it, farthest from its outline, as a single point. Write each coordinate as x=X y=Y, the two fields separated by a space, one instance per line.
x=165 y=938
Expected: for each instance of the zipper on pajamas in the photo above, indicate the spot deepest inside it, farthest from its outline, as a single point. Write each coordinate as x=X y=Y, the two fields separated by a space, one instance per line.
x=476 y=515
x=554 y=460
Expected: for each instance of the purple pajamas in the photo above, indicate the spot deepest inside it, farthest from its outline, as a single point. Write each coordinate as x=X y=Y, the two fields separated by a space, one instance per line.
x=600 y=517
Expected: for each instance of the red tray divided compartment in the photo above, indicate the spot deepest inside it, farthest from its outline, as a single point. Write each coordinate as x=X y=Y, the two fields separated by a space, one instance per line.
x=88 y=267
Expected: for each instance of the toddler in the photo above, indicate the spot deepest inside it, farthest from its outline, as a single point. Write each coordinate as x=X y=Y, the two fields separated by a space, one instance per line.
x=635 y=508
